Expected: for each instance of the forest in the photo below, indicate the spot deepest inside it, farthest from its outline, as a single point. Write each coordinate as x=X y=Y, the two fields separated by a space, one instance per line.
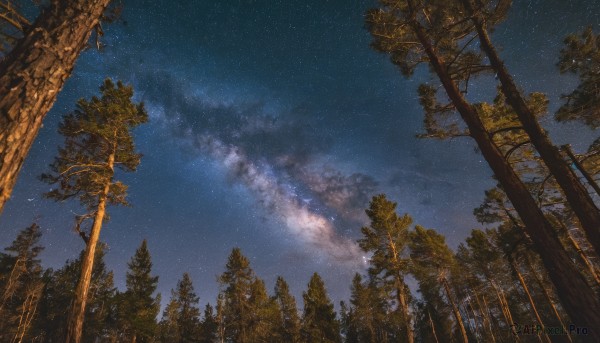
x=530 y=273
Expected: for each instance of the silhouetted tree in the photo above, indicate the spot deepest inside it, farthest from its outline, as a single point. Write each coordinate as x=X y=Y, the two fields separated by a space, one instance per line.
x=319 y=322
x=138 y=305
x=289 y=329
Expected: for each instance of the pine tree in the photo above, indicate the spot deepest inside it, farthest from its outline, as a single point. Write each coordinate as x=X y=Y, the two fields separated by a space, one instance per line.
x=209 y=326
x=139 y=307
x=581 y=56
x=264 y=310
x=435 y=33
x=386 y=238
x=189 y=315
x=60 y=292
x=21 y=285
x=319 y=322
x=433 y=262
x=370 y=320
x=289 y=330
x=579 y=199
x=97 y=141
x=169 y=324
x=237 y=281
x=12 y=25
x=181 y=318
x=32 y=75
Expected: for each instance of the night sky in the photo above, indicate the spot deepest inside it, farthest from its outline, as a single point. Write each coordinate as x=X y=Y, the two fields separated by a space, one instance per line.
x=272 y=123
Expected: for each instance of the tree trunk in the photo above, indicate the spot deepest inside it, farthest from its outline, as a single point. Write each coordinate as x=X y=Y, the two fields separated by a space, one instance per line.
x=77 y=312
x=578 y=298
x=505 y=309
x=586 y=175
x=580 y=200
x=547 y=295
x=515 y=269
x=582 y=255
x=457 y=316
x=432 y=328
x=32 y=75
x=401 y=291
x=490 y=318
x=401 y=294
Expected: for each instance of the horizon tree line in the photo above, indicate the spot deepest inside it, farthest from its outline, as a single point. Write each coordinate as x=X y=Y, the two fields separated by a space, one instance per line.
x=493 y=288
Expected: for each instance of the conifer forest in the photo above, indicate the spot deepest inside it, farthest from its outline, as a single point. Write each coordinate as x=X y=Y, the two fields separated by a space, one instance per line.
x=300 y=171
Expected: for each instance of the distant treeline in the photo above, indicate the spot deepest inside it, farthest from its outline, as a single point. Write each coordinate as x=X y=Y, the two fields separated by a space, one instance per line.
x=491 y=289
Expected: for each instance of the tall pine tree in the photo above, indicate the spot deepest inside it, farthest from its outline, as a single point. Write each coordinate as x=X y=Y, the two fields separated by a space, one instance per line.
x=386 y=238
x=139 y=306
x=98 y=140
x=289 y=329
x=32 y=75
x=438 y=33
x=433 y=263
x=319 y=322
x=181 y=318
x=237 y=281
x=59 y=294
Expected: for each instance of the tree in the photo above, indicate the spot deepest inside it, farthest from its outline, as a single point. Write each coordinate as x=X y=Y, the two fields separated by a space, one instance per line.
x=319 y=323
x=264 y=314
x=581 y=56
x=209 y=326
x=237 y=281
x=370 y=314
x=188 y=319
x=21 y=285
x=386 y=238
x=12 y=25
x=139 y=307
x=32 y=75
x=433 y=262
x=181 y=318
x=97 y=141
x=168 y=326
x=60 y=293
x=580 y=200
x=289 y=330
x=432 y=33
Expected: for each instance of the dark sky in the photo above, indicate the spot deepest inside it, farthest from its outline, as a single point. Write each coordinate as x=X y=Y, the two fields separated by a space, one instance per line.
x=272 y=125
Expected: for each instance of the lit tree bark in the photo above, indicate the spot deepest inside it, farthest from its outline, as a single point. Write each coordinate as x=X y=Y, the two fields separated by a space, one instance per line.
x=573 y=242
x=586 y=175
x=546 y=295
x=77 y=312
x=457 y=315
x=489 y=318
x=432 y=328
x=504 y=307
x=401 y=294
x=515 y=269
x=32 y=75
x=578 y=298
x=576 y=194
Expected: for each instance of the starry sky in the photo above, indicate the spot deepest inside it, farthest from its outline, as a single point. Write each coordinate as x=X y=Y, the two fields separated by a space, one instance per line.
x=272 y=123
